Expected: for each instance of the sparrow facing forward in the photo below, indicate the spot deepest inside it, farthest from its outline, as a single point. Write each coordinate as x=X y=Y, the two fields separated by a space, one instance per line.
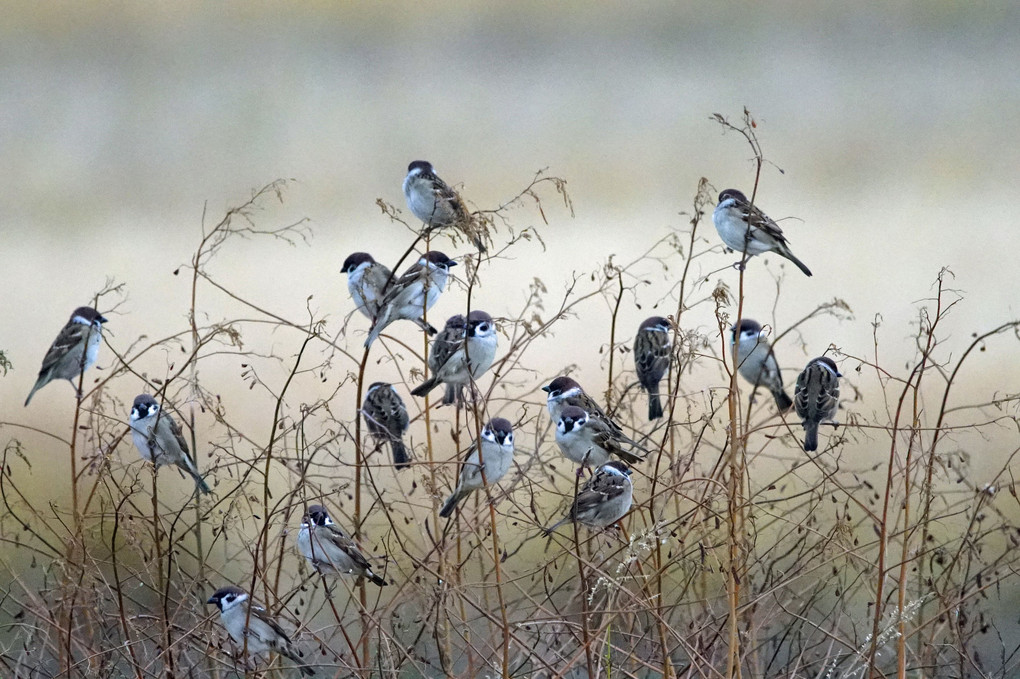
x=565 y=391
x=756 y=362
x=744 y=227
x=434 y=202
x=328 y=548
x=387 y=419
x=366 y=281
x=604 y=499
x=460 y=361
x=816 y=397
x=73 y=351
x=413 y=293
x=590 y=441
x=497 y=453
x=159 y=438
x=652 y=346
x=263 y=634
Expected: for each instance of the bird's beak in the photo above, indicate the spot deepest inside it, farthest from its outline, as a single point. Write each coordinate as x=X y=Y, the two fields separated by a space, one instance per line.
x=101 y=319
x=450 y=265
x=213 y=600
x=546 y=388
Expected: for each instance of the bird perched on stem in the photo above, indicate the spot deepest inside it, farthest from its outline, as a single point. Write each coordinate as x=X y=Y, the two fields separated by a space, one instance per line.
x=413 y=293
x=461 y=353
x=487 y=463
x=756 y=362
x=604 y=499
x=652 y=346
x=251 y=626
x=565 y=391
x=745 y=228
x=160 y=439
x=387 y=419
x=328 y=548
x=432 y=201
x=590 y=440
x=73 y=351
x=816 y=397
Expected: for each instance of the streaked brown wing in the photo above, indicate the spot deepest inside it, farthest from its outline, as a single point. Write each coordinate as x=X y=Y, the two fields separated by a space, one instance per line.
x=70 y=336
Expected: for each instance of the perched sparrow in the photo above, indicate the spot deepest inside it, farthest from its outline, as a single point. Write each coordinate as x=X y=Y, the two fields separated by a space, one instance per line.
x=387 y=419
x=472 y=354
x=74 y=351
x=496 y=454
x=159 y=438
x=652 y=346
x=604 y=499
x=435 y=203
x=564 y=391
x=412 y=294
x=366 y=281
x=743 y=227
x=756 y=362
x=817 y=397
x=331 y=552
x=590 y=441
x=263 y=634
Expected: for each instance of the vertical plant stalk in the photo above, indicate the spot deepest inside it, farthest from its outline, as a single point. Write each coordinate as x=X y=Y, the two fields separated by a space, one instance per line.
x=612 y=343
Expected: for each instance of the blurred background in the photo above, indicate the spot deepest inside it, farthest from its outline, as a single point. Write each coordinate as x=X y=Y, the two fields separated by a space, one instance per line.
x=889 y=131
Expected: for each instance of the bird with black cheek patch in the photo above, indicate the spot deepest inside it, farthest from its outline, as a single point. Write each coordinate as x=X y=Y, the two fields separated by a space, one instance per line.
x=488 y=461
x=411 y=295
x=756 y=361
x=745 y=228
x=460 y=354
x=565 y=391
x=604 y=499
x=73 y=351
x=432 y=201
x=330 y=550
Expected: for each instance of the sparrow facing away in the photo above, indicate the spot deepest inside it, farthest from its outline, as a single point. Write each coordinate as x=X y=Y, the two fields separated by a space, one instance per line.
x=159 y=438
x=328 y=548
x=73 y=351
x=432 y=201
x=497 y=453
x=756 y=362
x=817 y=397
x=263 y=634
x=387 y=420
x=604 y=499
x=652 y=346
x=413 y=293
x=564 y=391
x=744 y=227
x=457 y=363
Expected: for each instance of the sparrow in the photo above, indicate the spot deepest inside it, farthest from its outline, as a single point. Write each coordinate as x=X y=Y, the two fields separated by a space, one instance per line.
x=816 y=397
x=331 y=552
x=387 y=419
x=432 y=201
x=604 y=499
x=590 y=441
x=457 y=360
x=366 y=281
x=491 y=457
x=756 y=362
x=245 y=619
x=159 y=438
x=652 y=346
x=73 y=352
x=744 y=227
x=564 y=391
x=413 y=293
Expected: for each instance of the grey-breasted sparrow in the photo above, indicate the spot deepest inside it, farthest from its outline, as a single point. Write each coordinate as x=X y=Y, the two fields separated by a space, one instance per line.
x=159 y=438
x=744 y=227
x=387 y=419
x=756 y=361
x=248 y=622
x=604 y=499
x=590 y=441
x=652 y=346
x=492 y=458
x=73 y=351
x=330 y=550
x=816 y=397
x=565 y=391
x=366 y=281
x=413 y=293
x=472 y=354
x=435 y=203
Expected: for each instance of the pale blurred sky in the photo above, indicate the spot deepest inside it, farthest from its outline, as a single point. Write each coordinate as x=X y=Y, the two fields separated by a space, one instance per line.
x=893 y=124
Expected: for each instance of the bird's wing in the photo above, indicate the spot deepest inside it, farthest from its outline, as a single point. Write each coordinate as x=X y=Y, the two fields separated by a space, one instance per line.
x=71 y=335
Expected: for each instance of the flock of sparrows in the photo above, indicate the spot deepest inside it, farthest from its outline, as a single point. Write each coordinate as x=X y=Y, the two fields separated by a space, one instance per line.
x=460 y=354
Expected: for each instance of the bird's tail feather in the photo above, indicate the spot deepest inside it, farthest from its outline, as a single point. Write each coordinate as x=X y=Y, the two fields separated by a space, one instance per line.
x=451 y=502
x=426 y=386
x=401 y=460
x=810 y=436
x=654 y=407
x=783 y=401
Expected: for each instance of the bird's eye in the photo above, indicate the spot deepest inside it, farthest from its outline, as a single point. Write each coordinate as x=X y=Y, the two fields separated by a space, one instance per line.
x=554 y=392
x=484 y=327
